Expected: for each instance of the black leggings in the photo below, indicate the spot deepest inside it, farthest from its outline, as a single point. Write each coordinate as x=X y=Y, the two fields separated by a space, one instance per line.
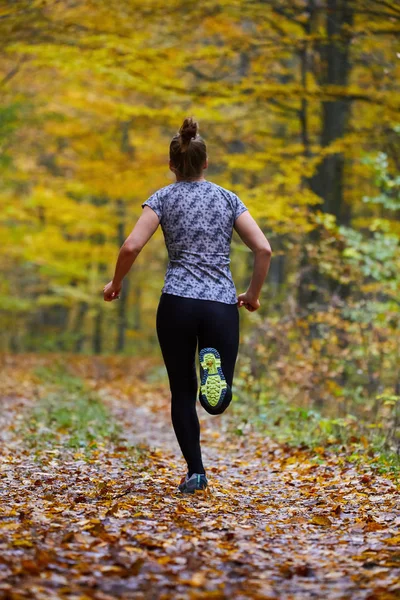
x=181 y=324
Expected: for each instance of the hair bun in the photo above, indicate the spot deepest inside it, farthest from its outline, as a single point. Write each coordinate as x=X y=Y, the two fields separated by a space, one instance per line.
x=188 y=130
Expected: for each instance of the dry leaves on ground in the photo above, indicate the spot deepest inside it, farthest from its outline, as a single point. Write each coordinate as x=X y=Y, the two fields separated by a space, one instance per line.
x=105 y=520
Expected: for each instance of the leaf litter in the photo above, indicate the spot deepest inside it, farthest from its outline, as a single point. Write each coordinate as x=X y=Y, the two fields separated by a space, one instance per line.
x=102 y=518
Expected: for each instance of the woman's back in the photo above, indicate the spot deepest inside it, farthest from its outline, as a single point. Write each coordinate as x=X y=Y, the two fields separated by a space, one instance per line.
x=197 y=219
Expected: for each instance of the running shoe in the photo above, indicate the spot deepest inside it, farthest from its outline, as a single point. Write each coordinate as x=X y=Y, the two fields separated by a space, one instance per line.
x=189 y=485
x=215 y=394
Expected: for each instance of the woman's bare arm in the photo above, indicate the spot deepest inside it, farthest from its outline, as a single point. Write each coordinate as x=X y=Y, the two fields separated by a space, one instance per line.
x=253 y=237
x=134 y=243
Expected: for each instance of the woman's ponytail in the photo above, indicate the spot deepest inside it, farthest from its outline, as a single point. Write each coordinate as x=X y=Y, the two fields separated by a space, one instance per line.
x=188 y=151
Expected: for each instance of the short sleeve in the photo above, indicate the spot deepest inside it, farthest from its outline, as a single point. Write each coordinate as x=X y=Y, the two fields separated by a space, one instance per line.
x=155 y=204
x=238 y=206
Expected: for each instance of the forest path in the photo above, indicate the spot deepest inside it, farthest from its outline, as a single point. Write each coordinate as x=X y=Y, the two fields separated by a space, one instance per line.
x=277 y=522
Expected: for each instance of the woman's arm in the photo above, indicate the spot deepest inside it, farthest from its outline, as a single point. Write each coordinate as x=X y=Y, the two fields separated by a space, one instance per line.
x=137 y=239
x=254 y=238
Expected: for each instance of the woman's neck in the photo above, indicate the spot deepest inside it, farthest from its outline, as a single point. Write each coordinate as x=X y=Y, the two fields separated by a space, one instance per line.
x=179 y=179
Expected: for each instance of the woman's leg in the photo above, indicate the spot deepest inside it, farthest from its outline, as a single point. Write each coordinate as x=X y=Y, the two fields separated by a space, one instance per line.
x=219 y=329
x=176 y=330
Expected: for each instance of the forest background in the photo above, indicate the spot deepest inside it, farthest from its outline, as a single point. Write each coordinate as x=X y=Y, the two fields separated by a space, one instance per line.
x=298 y=101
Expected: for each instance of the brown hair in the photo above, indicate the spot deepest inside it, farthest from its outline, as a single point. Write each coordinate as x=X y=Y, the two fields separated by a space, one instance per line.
x=188 y=151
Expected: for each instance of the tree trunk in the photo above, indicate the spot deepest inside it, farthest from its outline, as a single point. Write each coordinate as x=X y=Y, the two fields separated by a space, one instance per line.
x=97 y=341
x=335 y=68
x=123 y=299
x=77 y=328
x=327 y=182
x=137 y=315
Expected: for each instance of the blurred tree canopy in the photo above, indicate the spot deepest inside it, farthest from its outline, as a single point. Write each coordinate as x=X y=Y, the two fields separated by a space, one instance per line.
x=298 y=101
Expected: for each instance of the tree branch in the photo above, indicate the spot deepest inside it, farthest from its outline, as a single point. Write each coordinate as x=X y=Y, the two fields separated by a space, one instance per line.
x=12 y=73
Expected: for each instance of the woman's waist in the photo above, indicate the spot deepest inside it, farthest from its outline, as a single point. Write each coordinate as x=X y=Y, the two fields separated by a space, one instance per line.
x=186 y=257
x=201 y=272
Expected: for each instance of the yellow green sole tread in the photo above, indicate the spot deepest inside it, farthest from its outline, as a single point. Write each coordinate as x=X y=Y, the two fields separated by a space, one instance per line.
x=213 y=384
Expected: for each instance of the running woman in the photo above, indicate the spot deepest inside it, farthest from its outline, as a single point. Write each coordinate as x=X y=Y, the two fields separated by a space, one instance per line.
x=198 y=305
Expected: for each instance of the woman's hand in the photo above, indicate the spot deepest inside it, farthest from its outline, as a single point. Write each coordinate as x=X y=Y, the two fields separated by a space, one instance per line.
x=248 y=301
x=111 y=291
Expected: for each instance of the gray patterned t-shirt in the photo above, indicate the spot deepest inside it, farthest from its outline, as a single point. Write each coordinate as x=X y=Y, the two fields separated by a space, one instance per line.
x=197 y=219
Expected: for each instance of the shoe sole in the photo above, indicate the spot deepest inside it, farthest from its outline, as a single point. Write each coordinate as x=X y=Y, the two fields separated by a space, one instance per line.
x=213 y=384
x=196 y=487
x=203 y=489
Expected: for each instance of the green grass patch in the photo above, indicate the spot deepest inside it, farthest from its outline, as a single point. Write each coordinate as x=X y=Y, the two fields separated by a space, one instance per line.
x=68 y=413
x=348 y=437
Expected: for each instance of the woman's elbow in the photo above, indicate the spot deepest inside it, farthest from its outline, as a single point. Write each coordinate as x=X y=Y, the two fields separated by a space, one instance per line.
x=131 y=249
x=264 y=250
